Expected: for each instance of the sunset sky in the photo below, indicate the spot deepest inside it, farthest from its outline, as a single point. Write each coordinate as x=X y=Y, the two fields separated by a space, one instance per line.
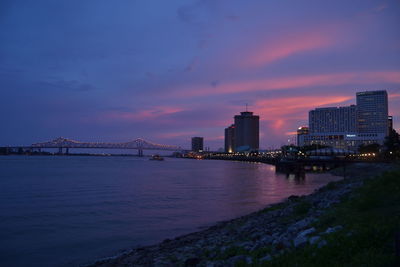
x=165 y=71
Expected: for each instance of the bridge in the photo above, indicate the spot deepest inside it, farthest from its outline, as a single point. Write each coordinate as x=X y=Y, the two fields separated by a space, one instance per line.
x=139 y=144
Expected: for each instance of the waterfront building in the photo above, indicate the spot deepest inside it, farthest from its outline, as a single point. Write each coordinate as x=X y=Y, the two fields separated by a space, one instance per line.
x=372 y=112
x=230 y=139
x=333 y=120
x=349 y=127
x=197 y=144
x=246 y=131
x=301 y=133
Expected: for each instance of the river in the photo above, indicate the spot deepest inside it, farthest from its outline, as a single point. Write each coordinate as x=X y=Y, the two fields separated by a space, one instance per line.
x=71 y=210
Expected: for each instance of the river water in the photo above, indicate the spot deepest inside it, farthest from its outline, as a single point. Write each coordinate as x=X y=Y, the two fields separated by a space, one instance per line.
x=71 y=210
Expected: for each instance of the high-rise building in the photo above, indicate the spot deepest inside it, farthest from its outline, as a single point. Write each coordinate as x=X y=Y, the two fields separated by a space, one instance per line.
x=372 y=112
x=197 y=144
x=246 y=131
x=301 y=133
x=230 y=139
x=333 y=120
x=352 y=126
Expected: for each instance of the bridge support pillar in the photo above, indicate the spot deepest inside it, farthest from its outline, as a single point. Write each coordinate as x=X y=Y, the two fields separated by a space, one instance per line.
x=67 y=151
x=140 y=152
x=60 y=150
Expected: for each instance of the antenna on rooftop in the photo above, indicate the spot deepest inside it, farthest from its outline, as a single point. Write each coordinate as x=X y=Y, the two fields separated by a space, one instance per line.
x=246 y=107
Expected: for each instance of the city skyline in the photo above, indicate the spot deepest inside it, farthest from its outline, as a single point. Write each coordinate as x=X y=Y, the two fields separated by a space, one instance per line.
x=166 y=72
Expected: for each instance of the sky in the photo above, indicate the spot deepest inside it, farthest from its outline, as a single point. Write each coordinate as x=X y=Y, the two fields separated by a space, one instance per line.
x=114 y=71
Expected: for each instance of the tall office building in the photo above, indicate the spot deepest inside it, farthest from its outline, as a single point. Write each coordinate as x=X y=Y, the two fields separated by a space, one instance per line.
x=332 y=126
x=247 y=131
x=230 y=139
x=197 y=144
x=372 y=112
x=352 y=126
x=301 y=133
x=333 y=120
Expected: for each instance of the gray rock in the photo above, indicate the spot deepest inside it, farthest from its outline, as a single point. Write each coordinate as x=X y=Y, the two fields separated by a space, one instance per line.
x=333 y=229
x=300 y=241
x=307 y=232
x=299 y=225
x=249 y=260
x=223 y=249
x=256 y=246
x=214 y=264
x=313 y=240
x=266 y=258
x=236 y=259
x=322 y=243
x=246 y=245
x=267 y=239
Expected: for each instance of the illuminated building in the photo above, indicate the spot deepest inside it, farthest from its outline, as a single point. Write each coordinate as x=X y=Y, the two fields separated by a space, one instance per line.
x=197 y=144
x=351 y=126
x=246 y=131
x=333 y=120
x=301 y=133
x=372 y=112
x=230 y=139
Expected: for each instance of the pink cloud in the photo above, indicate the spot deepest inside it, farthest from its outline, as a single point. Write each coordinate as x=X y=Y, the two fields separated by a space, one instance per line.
x=281 y=107
x=334 y=79
x=172 y=135
x=287 y=46
x=141 y=115
x=274 y=112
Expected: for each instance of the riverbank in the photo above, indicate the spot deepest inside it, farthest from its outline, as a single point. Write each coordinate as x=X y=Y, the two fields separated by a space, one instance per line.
x=332 y=224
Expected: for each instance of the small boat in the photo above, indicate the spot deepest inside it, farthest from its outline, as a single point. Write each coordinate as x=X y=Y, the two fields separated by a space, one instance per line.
x=156 y=157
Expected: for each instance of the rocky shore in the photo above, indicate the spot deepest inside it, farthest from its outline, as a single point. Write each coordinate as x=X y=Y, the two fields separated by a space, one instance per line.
x=260 y=237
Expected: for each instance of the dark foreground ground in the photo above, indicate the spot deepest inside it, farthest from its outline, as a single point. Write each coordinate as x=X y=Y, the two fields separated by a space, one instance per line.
x=352 y=222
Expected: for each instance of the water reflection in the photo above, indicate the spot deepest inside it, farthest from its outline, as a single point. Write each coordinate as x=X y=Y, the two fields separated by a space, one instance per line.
x=76 y=209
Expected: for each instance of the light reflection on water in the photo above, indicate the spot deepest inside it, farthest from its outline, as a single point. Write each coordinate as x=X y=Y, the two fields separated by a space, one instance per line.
x=60 y=211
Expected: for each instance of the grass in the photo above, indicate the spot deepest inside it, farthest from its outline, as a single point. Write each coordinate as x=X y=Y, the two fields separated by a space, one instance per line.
x=370 y=218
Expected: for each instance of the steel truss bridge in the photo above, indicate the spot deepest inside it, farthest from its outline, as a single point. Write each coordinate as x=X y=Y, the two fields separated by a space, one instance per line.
x=139 y=144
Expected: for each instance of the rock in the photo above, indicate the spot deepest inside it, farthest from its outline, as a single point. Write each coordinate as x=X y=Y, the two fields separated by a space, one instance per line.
x=333 y=229
x=265 y=258
x=307 y=232
x=214 y=264
x=237 y=259
x=299 y=225
x=322 y=243
x=300 y=241
x=246 y=245
x=223 y=249
x=249 y=260
x=286 y=211
x=267 y=239
x=313 y=240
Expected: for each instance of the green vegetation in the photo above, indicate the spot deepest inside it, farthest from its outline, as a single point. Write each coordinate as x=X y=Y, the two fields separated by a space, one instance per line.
x=302 y=208
x=392 y=146
x=370 y=217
